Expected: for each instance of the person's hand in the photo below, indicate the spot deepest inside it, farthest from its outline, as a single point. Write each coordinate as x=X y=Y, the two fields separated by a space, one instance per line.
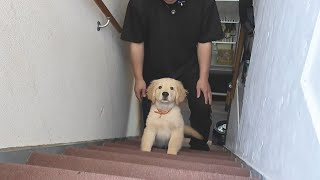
x=140 y=89
x=204 y=87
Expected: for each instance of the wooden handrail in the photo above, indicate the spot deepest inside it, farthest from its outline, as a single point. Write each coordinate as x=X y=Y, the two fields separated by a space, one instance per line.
x=236 y=66
x=107 y=13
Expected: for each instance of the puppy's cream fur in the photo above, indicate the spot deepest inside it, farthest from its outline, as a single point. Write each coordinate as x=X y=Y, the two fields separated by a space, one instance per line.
x=165 y=125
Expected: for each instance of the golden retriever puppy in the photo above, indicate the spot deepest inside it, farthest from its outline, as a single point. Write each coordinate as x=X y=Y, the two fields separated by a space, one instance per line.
x=165 y=126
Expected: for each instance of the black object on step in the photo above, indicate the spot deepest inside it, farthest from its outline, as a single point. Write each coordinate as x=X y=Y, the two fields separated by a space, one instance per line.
x=219 y=133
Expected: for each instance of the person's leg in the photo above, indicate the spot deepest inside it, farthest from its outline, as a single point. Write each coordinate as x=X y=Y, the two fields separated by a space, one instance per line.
x=200 y=112
x=200 y=120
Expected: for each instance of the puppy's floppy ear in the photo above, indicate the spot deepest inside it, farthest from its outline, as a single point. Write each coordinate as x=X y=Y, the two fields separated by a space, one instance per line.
x=151 y=91
x=181 y=93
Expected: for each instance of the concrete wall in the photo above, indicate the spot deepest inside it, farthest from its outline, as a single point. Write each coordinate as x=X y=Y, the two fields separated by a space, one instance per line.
x=278 y=131
x=61 y=80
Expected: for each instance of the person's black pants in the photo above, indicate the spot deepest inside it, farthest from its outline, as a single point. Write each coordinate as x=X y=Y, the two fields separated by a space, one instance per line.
x=200 y=112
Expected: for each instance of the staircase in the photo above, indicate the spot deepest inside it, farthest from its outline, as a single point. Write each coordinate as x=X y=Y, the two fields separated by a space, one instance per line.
x=124 y=160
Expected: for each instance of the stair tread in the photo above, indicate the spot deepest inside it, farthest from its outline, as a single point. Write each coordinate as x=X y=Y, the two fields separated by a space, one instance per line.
x=184 y=148
x=139 y=153
x=185 y=158
x=9 y=171
x=121 y=168
x=182 y=152
x=131 y=158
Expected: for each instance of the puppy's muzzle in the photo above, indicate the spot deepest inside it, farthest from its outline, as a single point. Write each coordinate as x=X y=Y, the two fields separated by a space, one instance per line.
x=165 y=95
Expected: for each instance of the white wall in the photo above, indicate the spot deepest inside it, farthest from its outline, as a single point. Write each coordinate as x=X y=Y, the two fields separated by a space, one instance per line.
x=276 y=134
x=60 y=80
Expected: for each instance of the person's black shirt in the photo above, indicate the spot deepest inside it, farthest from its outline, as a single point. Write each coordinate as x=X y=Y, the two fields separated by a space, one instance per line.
x=170 y=41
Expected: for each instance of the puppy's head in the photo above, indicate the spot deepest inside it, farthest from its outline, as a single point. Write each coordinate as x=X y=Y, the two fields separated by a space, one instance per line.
x=166 y=90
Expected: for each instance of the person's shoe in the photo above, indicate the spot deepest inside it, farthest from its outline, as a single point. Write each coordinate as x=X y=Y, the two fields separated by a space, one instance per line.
x=199 y=145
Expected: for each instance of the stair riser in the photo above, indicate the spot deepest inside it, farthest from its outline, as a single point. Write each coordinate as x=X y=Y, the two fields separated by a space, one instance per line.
x=136 y=142
x=122 y=169
x=158 y=150
x=165 y=156
x=157 y=162
x=27 y=172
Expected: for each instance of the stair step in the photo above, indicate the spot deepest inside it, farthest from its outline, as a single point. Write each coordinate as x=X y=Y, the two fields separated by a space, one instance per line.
x=121 y=168
x=129 y=158
x=185 y=149
x=165 y=156
x=158 y=150
x=137 y=142
x=29 y=172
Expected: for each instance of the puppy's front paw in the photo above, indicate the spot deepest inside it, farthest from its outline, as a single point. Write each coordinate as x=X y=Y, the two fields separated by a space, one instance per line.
x=145 y=149
x=172 y=152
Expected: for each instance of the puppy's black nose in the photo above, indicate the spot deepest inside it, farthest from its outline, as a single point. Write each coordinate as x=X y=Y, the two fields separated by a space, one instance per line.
x=165 y=94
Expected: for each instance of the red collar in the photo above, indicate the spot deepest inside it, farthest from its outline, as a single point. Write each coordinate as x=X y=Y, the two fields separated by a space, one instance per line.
x=162 y=112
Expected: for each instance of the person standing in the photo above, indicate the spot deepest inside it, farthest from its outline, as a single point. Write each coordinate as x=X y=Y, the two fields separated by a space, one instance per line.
x=173 y=38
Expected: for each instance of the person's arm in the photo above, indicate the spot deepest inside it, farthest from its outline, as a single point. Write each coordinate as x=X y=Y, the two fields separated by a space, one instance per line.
x=210 y=31
x=204 y=58
x=133 y=32
x=136 y=58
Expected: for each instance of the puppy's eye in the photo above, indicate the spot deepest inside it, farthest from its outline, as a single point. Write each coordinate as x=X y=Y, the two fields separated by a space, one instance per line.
x=160 y=87
x=171 y=88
